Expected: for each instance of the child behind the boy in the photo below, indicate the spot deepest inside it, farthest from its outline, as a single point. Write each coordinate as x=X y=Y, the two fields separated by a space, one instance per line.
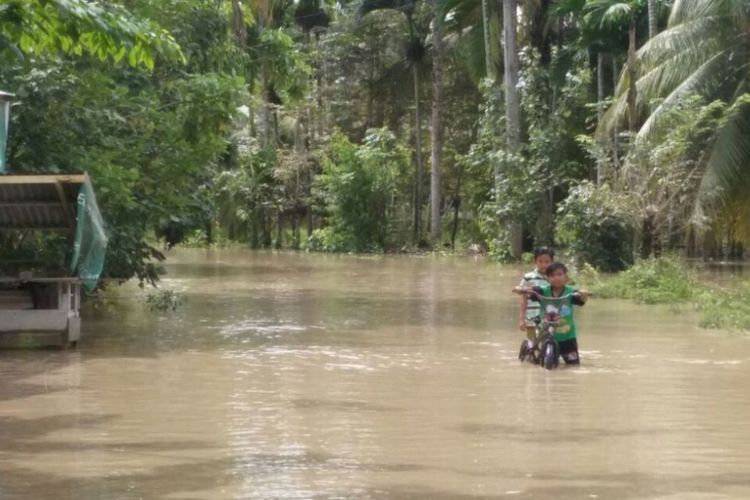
x=530 y=310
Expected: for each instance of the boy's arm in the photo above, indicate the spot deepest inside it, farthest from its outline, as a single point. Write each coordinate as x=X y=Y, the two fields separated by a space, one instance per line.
x=523 y=309
x=531 y=292
x=580 y=297
x=522 y=315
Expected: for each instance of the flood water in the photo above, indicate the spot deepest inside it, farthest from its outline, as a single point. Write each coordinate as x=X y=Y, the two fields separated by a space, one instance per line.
x=311 y=376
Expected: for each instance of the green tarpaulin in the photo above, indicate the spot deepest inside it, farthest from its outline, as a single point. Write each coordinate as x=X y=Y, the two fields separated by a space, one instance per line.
x=90 y=244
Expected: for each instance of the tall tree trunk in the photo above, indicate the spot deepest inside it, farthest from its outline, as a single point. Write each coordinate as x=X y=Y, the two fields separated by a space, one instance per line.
x=239 y=29
x=538 y=28
x=599 y=108
x=295 y=231
x=512 y=97
x=456 y=207
x=279 y=231
x=512 y=101
x=275 y=134
x=320 y=83
x=546 y=220
x=653 y=19
x=254 y=227
x=210 y=232
x=599 y=87
x=648 y=233
x=238 y=24
x=418 y=154
x=267 y=118
x=251 y=119
x=265 y=230
x=615 y=131
x=301 y=153
x=632 y=77
x=489 y=70
x=436 y=135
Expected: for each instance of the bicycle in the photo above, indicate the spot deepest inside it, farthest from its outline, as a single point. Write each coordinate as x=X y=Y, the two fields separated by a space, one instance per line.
x=545 y=350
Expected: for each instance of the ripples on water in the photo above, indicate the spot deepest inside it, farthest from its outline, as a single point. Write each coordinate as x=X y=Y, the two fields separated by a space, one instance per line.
x=309 y=376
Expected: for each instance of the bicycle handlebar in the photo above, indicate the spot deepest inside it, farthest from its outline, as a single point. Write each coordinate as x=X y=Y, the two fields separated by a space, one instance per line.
x=561 y=298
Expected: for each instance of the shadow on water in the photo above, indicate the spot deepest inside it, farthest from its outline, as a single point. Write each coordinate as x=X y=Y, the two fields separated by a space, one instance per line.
x=572 y=436
x=16 y=366
x=574 y=486
x=208 y=323
x=194 y=478
x=30 y=436
x=341 y=405
x=167 y=481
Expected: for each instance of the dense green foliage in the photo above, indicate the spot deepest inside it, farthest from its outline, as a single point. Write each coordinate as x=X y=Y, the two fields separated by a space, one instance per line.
x=595 y=226
x=30 y=28
x=666 y=280
x=359 y=187
x=164 y=301
x=147 y=139
x=727 y=309
x=671 y=281
x=315 y=125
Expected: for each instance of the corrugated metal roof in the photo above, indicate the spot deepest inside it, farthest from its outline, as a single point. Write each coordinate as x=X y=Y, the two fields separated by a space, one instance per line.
x=39 y=201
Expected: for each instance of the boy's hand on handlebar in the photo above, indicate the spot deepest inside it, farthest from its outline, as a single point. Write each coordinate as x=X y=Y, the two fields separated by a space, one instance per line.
x=522 y=324
x=522 y=290
x=584 y=294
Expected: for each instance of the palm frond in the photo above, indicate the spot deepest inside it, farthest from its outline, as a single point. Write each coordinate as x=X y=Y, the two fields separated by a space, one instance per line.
x=614 y=116
x=688 y=10
x=562 y=8
x=730 y=155
x=700 y=82
x=405 y=6
x=608 y=12
x=692 y=35
x=616 y=13
x=468 y=50
x=661 y=80
x=461 y=12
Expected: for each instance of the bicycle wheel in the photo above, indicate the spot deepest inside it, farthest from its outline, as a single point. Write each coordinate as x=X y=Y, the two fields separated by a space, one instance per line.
x=525 y=352
x=550 y=355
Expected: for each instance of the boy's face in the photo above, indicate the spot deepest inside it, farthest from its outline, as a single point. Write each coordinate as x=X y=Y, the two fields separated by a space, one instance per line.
x=542 y=262
x=558 y=279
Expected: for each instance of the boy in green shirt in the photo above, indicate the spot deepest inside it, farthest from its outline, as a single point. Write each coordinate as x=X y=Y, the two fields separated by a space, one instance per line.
x=560 y=299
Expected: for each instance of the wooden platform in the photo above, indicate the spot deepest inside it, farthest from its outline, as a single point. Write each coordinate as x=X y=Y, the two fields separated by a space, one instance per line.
x=41 y=305
x=47 y=304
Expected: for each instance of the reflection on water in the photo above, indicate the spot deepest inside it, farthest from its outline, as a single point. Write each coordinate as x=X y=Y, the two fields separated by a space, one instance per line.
x=309 y=376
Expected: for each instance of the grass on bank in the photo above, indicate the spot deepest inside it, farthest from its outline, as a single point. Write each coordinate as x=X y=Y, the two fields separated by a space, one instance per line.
x=669 y=280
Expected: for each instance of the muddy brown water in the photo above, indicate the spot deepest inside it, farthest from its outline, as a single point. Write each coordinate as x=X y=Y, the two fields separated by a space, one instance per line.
x=310 y=376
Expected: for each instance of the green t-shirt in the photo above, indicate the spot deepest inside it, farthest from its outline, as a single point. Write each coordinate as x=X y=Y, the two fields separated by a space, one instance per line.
x=566 y=328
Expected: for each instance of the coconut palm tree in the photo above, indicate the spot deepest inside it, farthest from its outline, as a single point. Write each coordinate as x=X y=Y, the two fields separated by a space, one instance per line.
x=603 y=42
x=472 y=29
x=512 y=100
x=593 y=38
x=510 y=57
x=415 y=53
x=703 y=51
x=436 y=134
x=615 y=12
x=653 y=18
